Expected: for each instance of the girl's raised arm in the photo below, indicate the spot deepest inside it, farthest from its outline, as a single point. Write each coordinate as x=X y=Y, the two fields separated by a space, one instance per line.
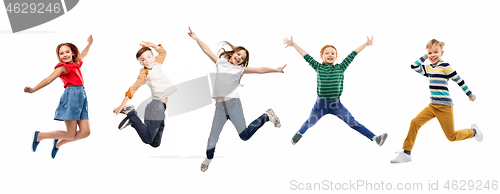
x=203 y=46
x=290 y=42
x=57 y=72
x=85 y=51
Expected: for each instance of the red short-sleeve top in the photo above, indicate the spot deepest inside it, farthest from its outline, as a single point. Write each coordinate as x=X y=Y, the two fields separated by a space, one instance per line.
x=73 y=76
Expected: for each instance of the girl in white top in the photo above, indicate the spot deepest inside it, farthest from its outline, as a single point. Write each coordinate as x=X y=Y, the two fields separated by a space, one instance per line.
x=231 y=65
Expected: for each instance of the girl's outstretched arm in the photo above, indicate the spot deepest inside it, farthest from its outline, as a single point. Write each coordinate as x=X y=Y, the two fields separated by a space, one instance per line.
x=367 y=43
x=203 y=46
x=262 y=70
x=85 y=51
x=57 y=72
x=297 y=47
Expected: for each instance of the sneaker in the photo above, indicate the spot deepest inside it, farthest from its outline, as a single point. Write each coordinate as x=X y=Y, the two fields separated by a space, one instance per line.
x=54 y=149
x=273 y=118
x=479 y=134
x=204 y=165
x=35 y=141
x=126 y=110
x=401 y=158
x=125 y=123
x=296 y=138
x=380 y=139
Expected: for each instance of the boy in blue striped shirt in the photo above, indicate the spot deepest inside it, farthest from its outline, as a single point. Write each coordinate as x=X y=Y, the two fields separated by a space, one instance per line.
x=441 y=105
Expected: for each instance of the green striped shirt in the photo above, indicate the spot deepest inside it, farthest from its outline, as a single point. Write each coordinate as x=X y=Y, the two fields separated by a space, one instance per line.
x=330 y=78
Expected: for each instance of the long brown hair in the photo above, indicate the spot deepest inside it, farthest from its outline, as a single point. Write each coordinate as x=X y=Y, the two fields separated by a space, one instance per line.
x=228 y=54
x=76 y=53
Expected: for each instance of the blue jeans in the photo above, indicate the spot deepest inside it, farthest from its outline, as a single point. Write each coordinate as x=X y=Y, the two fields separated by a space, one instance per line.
x=154 y=121
x=232 y=110
x=323 y=107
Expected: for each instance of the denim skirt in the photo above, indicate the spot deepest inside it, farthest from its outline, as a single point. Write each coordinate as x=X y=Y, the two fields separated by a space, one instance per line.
x=73 y=105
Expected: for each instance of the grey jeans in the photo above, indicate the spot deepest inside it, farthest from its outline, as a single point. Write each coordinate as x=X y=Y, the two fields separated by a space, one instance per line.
x=232 y=110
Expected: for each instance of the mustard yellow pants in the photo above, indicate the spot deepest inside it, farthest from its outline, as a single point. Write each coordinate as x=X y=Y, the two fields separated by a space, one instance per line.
x=444 y=115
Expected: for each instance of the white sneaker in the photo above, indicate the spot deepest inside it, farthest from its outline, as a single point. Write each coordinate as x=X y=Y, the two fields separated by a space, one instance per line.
x=204 y=165
x=380 y=139
x=479 y=134
x=401 y=158
x=273 y=118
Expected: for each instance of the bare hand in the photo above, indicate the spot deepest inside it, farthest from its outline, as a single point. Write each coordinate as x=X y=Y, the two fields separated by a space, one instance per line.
x=28 y=89
x=288 y=42
x=473 y=98
x=90 y=40
x=280 y=69
x=147 y=44
x=119 y=109
x=191 y=34
x=369 y=41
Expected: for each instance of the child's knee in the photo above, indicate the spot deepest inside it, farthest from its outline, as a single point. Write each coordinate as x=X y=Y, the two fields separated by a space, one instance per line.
x=69 y=135
x=85 y=133
x=451 y=137
x=416 y=123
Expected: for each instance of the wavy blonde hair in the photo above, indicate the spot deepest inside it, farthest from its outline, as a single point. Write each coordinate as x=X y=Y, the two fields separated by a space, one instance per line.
x=434 y=42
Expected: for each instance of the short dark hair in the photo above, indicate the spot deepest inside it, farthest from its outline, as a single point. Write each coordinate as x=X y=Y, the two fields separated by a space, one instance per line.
x=142 y=50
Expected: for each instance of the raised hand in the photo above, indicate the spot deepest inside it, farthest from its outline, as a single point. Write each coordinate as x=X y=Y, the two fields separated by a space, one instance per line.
x=369 y=41
x=288 y=42
x=191 y=34
x=147 y=44
x=90 y=40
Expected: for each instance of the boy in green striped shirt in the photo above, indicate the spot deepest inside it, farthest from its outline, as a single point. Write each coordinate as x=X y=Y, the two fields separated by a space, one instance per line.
x=330 y=84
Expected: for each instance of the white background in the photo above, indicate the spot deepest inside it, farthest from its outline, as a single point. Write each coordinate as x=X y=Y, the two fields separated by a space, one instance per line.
x=380 y=90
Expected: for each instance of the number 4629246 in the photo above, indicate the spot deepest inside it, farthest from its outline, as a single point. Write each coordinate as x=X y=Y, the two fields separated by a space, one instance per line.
x=33 y=8
x=471 y=185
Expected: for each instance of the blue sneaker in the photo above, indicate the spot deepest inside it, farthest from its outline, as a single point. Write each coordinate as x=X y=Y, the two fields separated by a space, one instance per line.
x=35 y=142
x=54 y=149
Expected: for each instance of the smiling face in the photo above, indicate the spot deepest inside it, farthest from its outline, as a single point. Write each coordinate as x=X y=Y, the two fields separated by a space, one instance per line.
x=329 y=55
x=435 y=52
x=147 y=59
x=65 y=54
x=238 y=57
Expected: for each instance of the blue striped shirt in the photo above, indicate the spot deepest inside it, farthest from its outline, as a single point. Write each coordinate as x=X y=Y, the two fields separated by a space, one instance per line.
x=438 y=75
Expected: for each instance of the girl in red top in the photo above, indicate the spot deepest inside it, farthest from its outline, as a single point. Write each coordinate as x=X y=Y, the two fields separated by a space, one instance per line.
x=73 y=106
